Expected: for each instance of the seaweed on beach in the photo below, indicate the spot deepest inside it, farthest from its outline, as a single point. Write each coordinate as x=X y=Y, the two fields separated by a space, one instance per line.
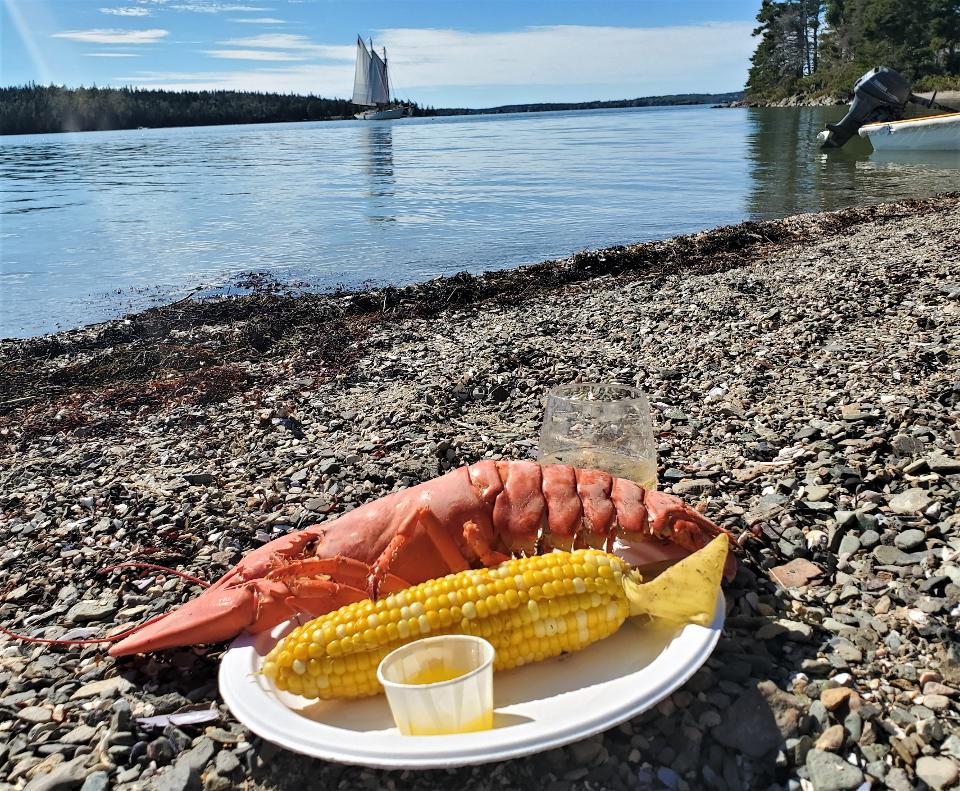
x=706 y=252
x=93 y=411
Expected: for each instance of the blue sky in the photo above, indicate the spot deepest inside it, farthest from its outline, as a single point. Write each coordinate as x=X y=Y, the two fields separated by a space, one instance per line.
x=471 y=53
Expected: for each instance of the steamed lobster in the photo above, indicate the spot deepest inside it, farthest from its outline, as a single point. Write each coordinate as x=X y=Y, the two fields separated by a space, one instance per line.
x=473 y=516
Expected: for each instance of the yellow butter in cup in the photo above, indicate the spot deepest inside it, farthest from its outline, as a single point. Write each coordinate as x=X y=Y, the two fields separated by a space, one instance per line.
x=440 y=685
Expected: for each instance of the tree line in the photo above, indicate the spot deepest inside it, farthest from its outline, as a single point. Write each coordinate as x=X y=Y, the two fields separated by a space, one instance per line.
x=37 y=108
x=599 y=104
x=819 y=47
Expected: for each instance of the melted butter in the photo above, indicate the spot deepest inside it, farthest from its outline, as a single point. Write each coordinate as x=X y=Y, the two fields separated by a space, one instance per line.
x=482 y=723
x=434 y=674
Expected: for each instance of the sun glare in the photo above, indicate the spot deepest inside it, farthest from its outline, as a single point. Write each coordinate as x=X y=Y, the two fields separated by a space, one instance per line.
x=13 y=10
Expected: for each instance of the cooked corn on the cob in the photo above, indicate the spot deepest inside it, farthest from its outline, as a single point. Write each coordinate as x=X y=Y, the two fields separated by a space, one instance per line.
x=529 y=609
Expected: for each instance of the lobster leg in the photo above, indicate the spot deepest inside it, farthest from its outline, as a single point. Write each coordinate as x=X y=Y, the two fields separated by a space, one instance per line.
x=420 y=550
x=479 y=544
x=321 y=585
x=340 y=571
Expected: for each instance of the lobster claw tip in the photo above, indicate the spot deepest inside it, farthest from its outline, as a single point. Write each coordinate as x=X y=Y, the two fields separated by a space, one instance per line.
x=215 y=616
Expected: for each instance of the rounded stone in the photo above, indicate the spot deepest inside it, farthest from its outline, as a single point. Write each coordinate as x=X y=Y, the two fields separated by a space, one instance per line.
x=909 y=539
x=937 y=772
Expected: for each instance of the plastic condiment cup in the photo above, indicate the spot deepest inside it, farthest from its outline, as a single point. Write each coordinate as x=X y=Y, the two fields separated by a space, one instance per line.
x=440 y=685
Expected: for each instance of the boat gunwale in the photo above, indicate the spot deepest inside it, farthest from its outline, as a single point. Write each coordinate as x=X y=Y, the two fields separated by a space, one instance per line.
x=923 y=118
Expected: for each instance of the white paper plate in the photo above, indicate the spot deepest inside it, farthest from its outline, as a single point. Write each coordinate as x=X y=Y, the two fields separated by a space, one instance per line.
x=536 y=707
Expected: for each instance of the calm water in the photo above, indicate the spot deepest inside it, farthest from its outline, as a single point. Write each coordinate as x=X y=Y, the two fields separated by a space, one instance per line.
x=95 y=224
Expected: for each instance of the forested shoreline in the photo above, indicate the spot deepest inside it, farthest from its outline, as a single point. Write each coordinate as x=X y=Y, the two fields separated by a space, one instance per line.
x=819 y=48
x=32 y=109
x=672 y=99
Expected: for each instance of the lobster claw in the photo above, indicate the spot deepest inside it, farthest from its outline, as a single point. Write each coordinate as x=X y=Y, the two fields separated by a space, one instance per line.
x=219 y=614
x=311 y=586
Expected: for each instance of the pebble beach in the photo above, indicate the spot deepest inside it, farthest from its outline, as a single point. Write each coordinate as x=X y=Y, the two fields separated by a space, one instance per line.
x=804 y=376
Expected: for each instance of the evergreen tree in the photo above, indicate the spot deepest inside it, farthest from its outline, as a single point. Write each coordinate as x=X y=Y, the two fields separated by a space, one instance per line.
x=822 y=47
x=787 y=51
x=33 y=108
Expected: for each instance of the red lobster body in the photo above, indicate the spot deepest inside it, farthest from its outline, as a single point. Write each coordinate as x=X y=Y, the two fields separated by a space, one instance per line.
x=473 y=516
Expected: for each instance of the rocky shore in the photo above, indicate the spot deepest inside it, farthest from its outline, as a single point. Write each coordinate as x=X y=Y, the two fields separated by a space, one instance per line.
x=796 y=100
x=805 y=378
x=949 y=98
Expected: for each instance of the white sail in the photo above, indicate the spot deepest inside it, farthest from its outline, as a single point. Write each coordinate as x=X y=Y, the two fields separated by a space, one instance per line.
x=379 y=89
x=361 y=77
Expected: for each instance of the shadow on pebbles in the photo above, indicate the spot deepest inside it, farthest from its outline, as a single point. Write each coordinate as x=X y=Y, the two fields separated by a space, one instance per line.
x=805 y=379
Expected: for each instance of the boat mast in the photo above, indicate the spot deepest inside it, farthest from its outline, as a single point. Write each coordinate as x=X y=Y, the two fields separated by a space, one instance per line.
x=386 y=77
x=372 y=61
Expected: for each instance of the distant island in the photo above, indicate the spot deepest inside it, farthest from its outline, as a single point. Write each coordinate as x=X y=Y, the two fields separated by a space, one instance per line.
x=33 y=109
x=643 y=101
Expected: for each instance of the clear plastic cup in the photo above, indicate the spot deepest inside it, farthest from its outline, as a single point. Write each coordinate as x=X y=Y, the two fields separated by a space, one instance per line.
x=601 y=426
x=440 y=685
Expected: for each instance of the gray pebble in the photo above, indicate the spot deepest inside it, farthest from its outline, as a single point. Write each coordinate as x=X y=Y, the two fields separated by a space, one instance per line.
x=909 y=539
x=829 y=772
x=96 y=781
x=226 y=762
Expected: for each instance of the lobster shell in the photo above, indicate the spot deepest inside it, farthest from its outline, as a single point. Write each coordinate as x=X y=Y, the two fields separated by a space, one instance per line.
x=473 y=516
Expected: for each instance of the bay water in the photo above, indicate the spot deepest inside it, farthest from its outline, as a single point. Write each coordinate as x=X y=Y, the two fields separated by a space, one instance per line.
x=96 y=224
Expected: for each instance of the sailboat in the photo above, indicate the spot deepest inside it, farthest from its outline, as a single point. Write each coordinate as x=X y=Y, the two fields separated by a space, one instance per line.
x=371 y=86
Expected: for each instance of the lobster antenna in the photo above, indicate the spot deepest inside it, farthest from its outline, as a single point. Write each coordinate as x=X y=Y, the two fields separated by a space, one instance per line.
x=87 y=641
x=133 y=564
x=126 y=633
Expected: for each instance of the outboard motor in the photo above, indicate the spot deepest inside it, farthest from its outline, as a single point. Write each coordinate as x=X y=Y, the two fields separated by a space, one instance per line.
x=879 y=95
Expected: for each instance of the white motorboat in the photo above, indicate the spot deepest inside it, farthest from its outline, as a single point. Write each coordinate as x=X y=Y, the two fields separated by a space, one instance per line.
x=880 y=99
x=371 y=86
x=929 y=133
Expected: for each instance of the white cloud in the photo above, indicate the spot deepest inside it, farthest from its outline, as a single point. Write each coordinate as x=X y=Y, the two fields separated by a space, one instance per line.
x=253 y=54
x=104 y=36
x=305 y=79
x=259 y=20
x=294 y=41
x=134 y=11
x=204 y=6
x=556 y=63
x=654 y=60
x=214 y=8
x=111 y=54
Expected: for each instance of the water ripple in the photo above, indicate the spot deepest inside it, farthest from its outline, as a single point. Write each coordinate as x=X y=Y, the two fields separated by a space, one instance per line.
x=153 y=214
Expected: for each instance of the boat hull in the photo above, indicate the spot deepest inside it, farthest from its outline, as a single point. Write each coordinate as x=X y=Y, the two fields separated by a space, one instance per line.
x=380 y=115
x=934 y=133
